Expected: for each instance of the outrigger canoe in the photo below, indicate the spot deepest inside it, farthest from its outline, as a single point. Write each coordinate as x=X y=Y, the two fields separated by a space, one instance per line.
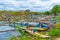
x=31 y=28
x=35 y=33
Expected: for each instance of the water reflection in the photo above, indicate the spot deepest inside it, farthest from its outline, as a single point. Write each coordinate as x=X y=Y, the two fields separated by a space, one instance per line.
x=7 y=34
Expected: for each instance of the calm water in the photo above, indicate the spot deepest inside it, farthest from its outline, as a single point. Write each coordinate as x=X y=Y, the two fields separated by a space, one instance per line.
x=6 y=35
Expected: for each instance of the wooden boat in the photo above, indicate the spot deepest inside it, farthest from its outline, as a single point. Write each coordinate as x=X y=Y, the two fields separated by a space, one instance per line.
x=35 y=33
x=31 y=28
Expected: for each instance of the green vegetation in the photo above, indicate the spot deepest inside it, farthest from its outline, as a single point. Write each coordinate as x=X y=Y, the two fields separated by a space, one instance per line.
x=57 y=25
x=57 y=18
x=55 y=32
x=56 y=9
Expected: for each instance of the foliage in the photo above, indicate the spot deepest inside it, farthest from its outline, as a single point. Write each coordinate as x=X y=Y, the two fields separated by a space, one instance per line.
x=27 y=10
x=55 y=32
x=57 y=18
x=56 y=9
x=12 y=38
x=57 y=25
x=47 y=13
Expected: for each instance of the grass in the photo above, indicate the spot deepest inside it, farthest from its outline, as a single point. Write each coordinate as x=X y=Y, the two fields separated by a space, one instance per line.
x=55 y=32
x=28 y=37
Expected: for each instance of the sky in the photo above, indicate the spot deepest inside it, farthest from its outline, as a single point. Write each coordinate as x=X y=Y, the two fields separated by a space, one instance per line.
x=33 y=5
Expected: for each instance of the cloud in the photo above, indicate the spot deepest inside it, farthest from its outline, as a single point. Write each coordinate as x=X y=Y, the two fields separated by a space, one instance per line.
x=33 y=5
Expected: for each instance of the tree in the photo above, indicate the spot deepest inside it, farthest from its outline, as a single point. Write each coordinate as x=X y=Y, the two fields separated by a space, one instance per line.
x=56 y=9
x=47 y=13
x=27 y=11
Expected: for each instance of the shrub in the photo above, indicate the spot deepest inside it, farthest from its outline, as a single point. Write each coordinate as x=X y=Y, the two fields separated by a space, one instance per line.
x=12 y=38
x=57 y=25
x=55 y=32
x=57 y=18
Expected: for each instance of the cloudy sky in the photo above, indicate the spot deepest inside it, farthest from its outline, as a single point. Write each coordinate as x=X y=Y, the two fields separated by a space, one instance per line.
x=33 y=5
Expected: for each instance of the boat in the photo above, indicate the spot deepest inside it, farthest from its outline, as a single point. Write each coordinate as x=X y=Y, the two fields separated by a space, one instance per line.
x=35 y=33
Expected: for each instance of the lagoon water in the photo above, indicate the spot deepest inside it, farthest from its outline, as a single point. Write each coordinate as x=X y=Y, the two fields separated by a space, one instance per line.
x=7 y=34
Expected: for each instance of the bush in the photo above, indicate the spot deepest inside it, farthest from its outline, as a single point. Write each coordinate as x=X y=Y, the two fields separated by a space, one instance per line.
x=55 y=32
x=12 y=38
x=57 y=25
x=57 y=18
